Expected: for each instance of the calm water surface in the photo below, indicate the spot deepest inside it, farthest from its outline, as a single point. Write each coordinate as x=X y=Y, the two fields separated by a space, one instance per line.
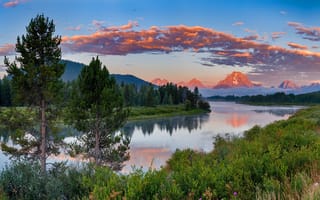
x=154 y=141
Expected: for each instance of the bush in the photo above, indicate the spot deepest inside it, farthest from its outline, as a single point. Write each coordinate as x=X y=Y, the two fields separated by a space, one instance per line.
x=23 y=180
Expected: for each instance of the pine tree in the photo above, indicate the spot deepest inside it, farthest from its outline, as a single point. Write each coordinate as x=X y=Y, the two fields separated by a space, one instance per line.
x=97 y=110
x=37 y=82
x=5 y=97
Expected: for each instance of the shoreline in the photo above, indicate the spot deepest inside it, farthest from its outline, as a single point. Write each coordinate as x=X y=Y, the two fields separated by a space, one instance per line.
x=161 y=111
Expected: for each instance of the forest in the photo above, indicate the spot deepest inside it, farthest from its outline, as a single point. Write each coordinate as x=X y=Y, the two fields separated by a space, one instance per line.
x=279 y=98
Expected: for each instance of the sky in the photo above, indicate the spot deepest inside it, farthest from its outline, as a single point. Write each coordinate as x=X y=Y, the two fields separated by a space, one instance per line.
x=269 y=40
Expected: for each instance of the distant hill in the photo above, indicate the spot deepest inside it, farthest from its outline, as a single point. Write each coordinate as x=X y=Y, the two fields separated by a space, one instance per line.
x=235 y=80
x=73 y=69
x=129 y=79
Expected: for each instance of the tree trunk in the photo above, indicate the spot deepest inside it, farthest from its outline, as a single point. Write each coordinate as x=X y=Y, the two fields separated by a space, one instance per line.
x=97 y=147
x=43 y=132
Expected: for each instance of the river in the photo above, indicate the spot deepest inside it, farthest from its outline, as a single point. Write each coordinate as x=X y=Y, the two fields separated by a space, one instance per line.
x=154 y=141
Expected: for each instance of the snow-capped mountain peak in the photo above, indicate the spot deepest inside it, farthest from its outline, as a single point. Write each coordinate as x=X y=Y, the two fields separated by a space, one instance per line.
x=235 y=80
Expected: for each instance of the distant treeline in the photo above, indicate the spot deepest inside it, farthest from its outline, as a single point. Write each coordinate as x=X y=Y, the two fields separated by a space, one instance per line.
x=146 y=95
x=277 y=98
x=169 y=94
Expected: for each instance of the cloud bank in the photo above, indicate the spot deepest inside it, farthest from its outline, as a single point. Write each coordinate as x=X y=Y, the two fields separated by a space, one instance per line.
x=309 y=33
x=224 y=48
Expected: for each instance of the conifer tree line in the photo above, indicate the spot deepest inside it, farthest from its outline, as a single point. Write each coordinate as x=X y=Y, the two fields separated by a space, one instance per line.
x=146 y=95
x=169 y=94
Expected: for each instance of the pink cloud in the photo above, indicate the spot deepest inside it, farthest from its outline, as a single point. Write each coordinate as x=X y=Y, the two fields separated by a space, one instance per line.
x=13 y=3
x=97 y=24
x=225 y=49
x=74 y=28
x=297 y=46
x=251 y=37
x=7 y=49
x=309 y=33
x=276 y=35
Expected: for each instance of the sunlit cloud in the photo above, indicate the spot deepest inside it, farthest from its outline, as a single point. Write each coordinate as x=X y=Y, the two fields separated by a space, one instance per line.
x=13 y=3
x=98 y=24
x=309 y=33
x=251 y=37
x=238 y=24
x=130 y=25
x=224 y=48
x=7 y=49
x=297 y=46
x=276 y=35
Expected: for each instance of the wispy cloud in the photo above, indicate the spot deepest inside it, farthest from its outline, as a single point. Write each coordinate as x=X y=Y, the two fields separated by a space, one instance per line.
x=309 y=33
x=13 y=3
x=238 y=23
x=224 y=48
x=297 y=46
x=98 y=24
x=276 y=35
x=74 y=28
x=7 y=49
x=282 y=12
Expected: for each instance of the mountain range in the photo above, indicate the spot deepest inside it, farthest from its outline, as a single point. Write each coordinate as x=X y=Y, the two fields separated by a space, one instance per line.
x=236 y=83
x=190 y=84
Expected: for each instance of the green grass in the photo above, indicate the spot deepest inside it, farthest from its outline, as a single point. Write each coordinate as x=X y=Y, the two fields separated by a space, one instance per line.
x=160 y=111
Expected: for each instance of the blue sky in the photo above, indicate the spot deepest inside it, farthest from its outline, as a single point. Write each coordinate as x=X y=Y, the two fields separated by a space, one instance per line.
x=179 y=40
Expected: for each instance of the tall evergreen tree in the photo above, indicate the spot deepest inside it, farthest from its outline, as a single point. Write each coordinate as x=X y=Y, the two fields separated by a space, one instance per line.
x=97 y=110
x=5 y=97
x=37 y=82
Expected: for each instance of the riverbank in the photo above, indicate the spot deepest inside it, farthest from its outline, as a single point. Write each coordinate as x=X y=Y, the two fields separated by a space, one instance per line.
x=279 y=160
x=161 y=111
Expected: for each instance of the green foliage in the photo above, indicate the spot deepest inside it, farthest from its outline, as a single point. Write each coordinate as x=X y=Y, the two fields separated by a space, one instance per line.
x=159 y=111
x=39 y=76
x=97 y=110
x=279 y=98
x=25 y=181
x=279 y=161
x=169 y=94
x=5 y=92
x=37 y=82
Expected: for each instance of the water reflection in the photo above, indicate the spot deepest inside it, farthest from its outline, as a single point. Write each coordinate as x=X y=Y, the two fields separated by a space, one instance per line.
x=169 y=125
x=236 y=120
x=278 y=112
x=154 y=141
